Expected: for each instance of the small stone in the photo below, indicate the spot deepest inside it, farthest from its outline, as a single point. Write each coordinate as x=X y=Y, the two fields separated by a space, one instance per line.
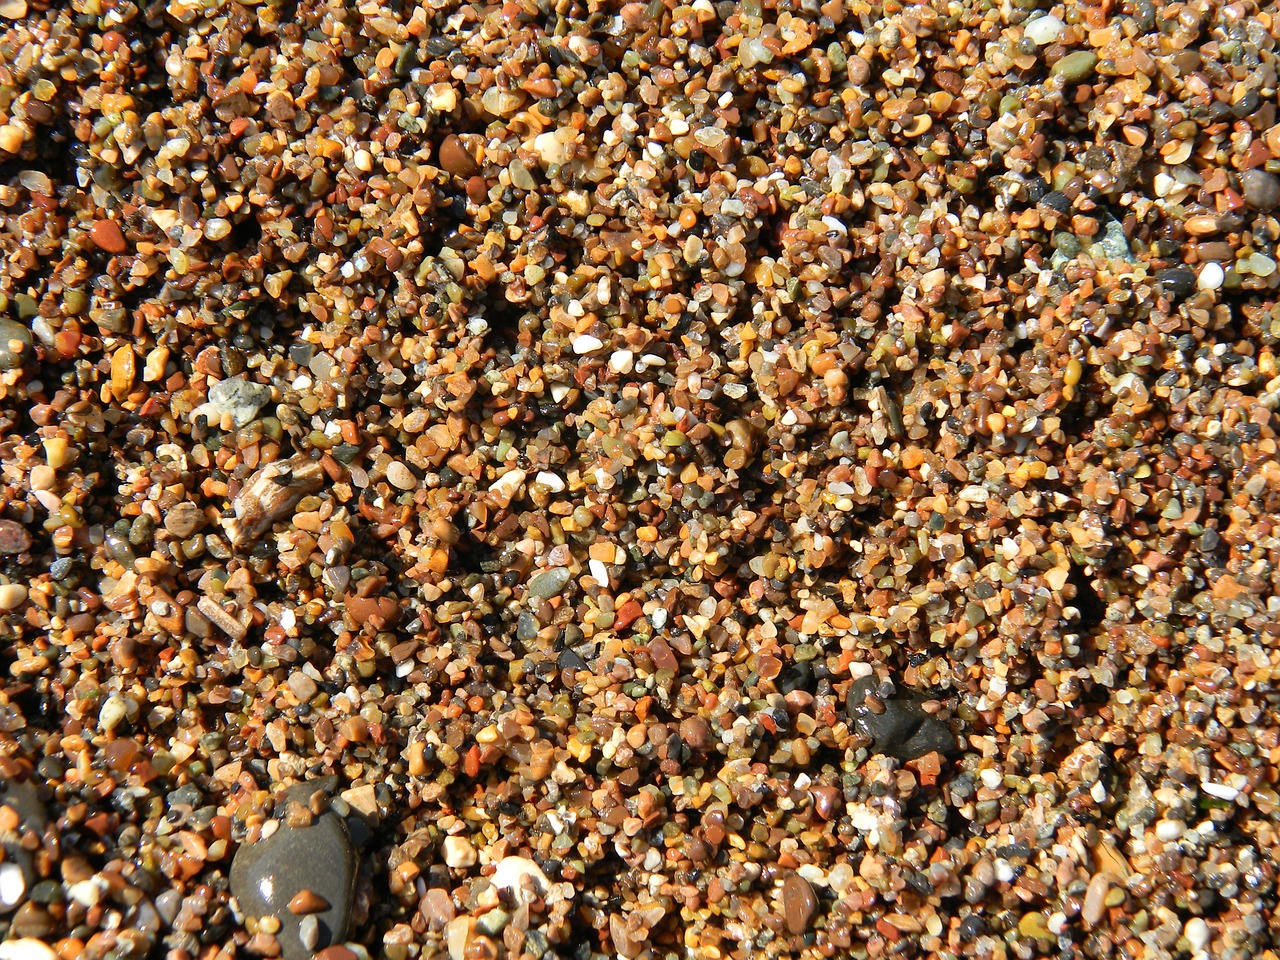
x=15 y=345
x=308 y=901
x=1032 y=925
x=12 y=596
x=798 y=903
x=302 y=686
x=1178 y=282
x=238 y=397
x=1044 y=30
x=492 y=923
x=586 y=344
x=437 y=908
x=696 y=733
x=400 y=476
x=183 y=519
x=319 y=858
x=1198 y=933
x=902 y=729
x=1211 y=276
x=11 y=138
x=549 y=583
x=309 y=932
x=520 y=875
x=13 y=538
x=457 y=936
x=13 y=886
x=459 y=852
x=27 y=948
x=1261 y=190
x=107 y=236
x=1074 y=67
x=1095 y=899
x=123 y=372
x=13 y=9
x=455 y=158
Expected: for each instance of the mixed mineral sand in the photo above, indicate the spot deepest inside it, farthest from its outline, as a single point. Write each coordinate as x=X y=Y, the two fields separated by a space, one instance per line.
x=573 y=480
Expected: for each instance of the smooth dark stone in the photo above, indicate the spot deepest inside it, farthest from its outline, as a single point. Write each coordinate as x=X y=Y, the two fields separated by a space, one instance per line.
x=1178 y=282
x=1057 y=201
x=796 y=676
x=903 y=730
x=320 y=857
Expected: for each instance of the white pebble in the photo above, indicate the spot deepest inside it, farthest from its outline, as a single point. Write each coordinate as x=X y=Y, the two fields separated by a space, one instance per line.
x=1197 y=933
x=622 y=361
x=12 y=596
x=86 y=892
x=599 y=571
x=1044 y=30
x=13 y=886
x=27 y=948
x=1167 y=830
x=552 y=481
x=1219 y=790
x=1211 y=276
x=112 y=713
x=586 y=344
x=458 y=852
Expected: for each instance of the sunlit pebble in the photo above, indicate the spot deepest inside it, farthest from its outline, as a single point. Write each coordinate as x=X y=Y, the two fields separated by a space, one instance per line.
x=1211 y=276
x=586 y=344
x=622 y=361
x=13 y=886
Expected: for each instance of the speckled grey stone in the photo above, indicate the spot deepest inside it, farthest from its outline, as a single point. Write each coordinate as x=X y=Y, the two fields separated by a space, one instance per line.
x=320 y=857
x=903 y=730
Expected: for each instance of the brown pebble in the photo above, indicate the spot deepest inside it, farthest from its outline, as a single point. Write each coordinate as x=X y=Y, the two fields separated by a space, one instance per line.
x=307 y=901
x=696 y=733
x=437 y=908
x=455 y=158
x=13 y=537
x=336 y=953
x=798 y=903
x=183 y=519
x=107 y=236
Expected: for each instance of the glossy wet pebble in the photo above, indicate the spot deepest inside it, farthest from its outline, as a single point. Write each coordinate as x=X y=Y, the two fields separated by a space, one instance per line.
x=299 y=865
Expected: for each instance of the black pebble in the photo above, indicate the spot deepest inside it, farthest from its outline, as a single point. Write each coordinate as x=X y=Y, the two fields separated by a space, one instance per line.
x=1178 y=282
x=903 y=730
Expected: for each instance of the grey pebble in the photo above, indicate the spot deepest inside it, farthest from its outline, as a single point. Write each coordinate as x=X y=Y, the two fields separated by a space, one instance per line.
x=15 y=344
x=240 y=398
x=548 y=583
x=320 y=857
x=1260 y=190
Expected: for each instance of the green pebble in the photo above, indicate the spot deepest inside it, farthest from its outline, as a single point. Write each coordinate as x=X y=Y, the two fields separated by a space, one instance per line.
x=1074 y=67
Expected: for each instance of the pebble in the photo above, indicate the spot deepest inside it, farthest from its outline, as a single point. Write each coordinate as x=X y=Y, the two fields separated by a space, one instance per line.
x=437 y=908
x=549 y=583
x=459 y=853
x=26 y=948
x=183 y=519
x=302 y=686
x=1095 y=898
x=13 y=538
x=400 y=476
x=1197 y=932
x=521 y=876
x=902 y=730
x=11 y=138
x=267 y=875
x=1044 y=29
x=798 y=903
x=12 y=596
x=15 y=344
x=1178 y=282
x=455 y=158
x=13 y=886
x=1074 y=67
x=1210 y=277
x=1260 y=189
x=696 y=733
x=13 y=9
x=32 y=920
x=237 y=397
x=107 y=236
